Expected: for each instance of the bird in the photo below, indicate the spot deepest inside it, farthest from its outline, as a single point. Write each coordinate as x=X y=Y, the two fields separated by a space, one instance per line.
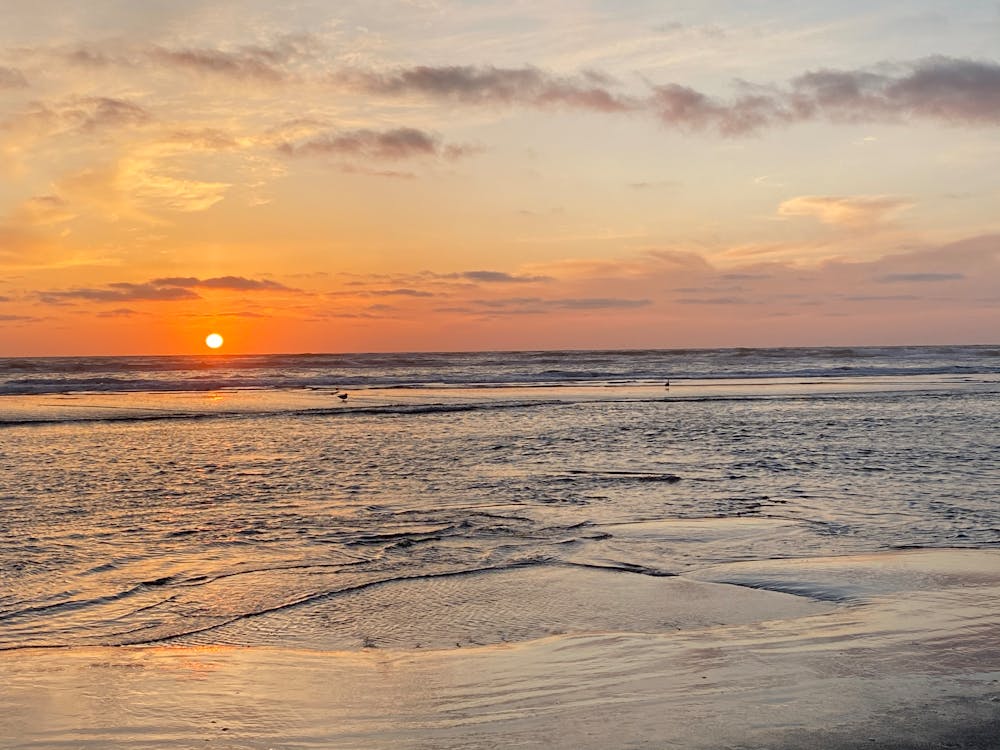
x=342 y=396
x=667 y=385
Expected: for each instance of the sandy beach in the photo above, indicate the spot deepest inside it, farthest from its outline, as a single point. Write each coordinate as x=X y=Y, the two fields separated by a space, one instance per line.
x=892 y=650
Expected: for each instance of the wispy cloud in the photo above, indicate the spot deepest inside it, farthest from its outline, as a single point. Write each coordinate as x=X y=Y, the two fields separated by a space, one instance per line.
x=119 y=312
x=12 y=78
x=253 y=63
x=86 y=114
x=919 y=278
x=236 y=283
x=18 y=318
x=402 y=292
x=43 y=209
x=539 y=305
x=856 y=212
x=256 y=64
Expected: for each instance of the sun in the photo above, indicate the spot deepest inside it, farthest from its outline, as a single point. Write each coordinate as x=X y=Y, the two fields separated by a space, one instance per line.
x=213 y=341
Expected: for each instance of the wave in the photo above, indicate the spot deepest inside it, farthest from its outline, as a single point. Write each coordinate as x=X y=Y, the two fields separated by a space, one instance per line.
x=35 y=376
x=138 y=415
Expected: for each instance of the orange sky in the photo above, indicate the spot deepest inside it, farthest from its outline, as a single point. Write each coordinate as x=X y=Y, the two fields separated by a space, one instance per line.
x=434 y=175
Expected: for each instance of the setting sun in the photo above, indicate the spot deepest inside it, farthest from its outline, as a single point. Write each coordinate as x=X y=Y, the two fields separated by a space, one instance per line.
x=213 y=341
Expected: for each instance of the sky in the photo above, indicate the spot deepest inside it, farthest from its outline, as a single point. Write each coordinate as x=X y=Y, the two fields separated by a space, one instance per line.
x=446 y=175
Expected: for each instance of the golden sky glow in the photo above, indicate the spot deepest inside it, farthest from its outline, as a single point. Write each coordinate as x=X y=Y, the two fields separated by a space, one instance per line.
x=442 y=175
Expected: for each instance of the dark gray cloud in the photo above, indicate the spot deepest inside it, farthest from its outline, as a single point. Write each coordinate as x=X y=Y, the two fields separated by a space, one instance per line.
x=12 y=78
x=404 y=292
x=121 y=292
x=954 y=90
x=168 y=289
x=118 y=312
x=684 y=107
x=236 y=283
x=17 y=318
x=499 y=277
x=395 y=144
x=893 y=278
x=489 y=85
x=937 y=87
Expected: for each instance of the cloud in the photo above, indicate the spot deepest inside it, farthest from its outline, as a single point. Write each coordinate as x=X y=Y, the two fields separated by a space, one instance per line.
x=168 y=289
x=255 y=64
x=856 y=212
x=936 y=87
x=207 y=139
x=598 y=303
x=236 y=283
x=393 y=145
x=712 y=301
x=499 y=277
x=43 y=209
x=268 y=63
x=17 y=318
x=526 y=305
x=894 y=278
x=468 y=84
x=87 y=114
x=654 y=185
x=98 y=112
x=881 y=297
x=686 y=108
x=121 y=292
x=744 y=276
x=12 y=78
x=118 y=312
x=404 y=292
x=957 y=91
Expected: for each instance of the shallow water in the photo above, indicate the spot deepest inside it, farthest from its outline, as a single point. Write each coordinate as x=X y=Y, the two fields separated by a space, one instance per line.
x=914 y=669
x=243 y=509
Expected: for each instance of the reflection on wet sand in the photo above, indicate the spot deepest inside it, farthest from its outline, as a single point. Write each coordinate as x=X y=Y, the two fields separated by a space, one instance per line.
x=911 y=655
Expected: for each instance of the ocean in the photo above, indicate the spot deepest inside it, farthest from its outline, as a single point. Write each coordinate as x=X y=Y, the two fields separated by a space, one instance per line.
x=154 y=498
x=477 y=501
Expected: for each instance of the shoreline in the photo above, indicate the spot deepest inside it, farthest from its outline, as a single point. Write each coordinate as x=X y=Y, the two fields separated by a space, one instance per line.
x=916 y=664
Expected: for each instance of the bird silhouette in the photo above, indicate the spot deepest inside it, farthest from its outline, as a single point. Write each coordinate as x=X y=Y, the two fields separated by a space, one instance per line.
x=342 y=396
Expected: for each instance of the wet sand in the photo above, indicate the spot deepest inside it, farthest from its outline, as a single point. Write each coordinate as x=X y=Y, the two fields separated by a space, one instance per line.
x=893 y=650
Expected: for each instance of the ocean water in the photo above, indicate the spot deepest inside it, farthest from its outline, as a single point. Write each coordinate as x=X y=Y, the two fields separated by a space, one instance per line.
x=239 y=501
